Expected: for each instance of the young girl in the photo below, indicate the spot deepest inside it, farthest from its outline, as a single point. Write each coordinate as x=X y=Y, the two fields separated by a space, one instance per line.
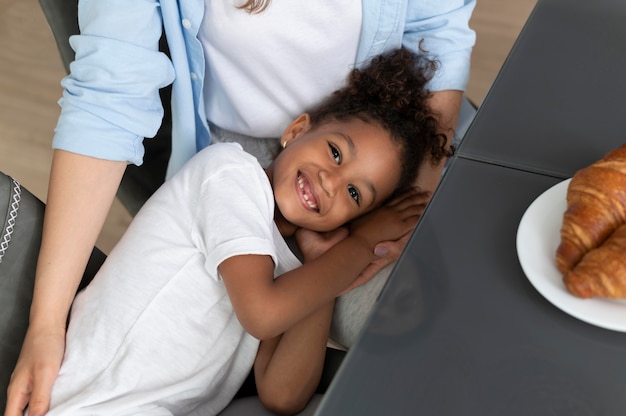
x=203 y=285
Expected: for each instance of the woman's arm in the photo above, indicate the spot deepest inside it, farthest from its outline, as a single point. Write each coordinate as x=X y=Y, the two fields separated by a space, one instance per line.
x=441 y=30
x=447 y=105
x=80 y=194
x=110 y=103
x=111 y=97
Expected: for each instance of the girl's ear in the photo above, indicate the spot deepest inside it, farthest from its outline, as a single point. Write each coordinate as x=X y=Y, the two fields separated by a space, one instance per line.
x=298 y=127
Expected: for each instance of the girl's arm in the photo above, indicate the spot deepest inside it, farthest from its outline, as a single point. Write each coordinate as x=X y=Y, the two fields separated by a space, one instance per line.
x=267 y=307
x=288 y=368
x=80 y=194
x=291 y=315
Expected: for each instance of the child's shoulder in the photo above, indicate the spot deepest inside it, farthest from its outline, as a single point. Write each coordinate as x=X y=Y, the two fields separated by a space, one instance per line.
x=221 y=155
x=221 y=149
x=218 y=159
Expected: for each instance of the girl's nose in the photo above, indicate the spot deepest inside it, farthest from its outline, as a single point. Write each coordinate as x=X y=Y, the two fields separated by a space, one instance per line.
x=330 y=182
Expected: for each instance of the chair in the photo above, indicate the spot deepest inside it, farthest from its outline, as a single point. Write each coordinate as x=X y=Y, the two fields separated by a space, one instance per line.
x=62 y=16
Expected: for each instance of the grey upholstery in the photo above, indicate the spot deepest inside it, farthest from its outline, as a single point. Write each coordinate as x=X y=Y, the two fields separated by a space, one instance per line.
x=62 y=16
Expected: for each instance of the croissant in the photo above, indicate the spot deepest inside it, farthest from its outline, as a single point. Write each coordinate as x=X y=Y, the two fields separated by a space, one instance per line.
x=596 y=206
x=602 y=271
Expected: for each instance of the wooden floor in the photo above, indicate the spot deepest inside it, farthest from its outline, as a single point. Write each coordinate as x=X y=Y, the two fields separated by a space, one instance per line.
x=30 y=71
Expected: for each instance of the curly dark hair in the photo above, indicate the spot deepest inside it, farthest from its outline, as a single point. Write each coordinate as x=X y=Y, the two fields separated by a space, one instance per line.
x=391 y=90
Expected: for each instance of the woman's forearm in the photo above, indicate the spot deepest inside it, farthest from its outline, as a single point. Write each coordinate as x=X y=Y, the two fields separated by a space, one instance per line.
x=447 y=105
x=80 y=194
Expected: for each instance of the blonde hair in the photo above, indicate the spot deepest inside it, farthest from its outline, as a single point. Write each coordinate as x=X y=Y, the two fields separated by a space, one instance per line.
x=254 y=6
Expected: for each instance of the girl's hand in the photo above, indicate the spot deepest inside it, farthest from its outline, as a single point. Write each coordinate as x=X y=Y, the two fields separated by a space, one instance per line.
x=35 y=372
x=392 y=221
x=388 y=251
x=313 y=244
x=402 y=213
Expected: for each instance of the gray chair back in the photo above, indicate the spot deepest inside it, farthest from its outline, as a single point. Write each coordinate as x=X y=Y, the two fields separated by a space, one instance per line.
x=62 y=16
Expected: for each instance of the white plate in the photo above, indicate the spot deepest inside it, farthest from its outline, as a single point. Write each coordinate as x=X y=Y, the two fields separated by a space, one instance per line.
x=538 y=236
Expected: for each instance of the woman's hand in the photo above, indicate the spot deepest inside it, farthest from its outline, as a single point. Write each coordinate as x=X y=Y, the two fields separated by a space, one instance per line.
x=35 y=372
x=80 y=193
x=387 y=252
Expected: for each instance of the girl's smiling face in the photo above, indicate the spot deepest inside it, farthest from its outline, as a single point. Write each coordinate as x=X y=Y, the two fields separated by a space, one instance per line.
x=331 y=174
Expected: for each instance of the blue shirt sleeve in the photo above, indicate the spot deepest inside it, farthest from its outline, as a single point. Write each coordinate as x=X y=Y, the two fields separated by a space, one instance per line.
x=111 y=97
x=441 y=29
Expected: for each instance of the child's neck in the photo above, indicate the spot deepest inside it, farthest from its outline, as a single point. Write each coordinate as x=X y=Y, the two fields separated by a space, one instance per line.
x=286 y=228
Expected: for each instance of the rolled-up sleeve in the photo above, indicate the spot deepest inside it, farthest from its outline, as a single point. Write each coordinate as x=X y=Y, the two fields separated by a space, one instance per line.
x=111 y=97
x=441 y=29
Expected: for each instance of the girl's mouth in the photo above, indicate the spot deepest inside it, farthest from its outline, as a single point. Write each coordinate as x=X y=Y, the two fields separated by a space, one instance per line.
x=306 y=193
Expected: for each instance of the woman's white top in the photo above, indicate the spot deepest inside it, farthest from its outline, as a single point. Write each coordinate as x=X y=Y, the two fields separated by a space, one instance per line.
x=264 y=69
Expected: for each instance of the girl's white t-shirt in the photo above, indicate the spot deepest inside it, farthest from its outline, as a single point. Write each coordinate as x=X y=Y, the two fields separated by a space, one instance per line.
x=155 y=332
x=264 y=69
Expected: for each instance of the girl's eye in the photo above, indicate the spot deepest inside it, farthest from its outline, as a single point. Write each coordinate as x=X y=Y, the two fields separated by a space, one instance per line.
x=335 y=153
x=354 y=194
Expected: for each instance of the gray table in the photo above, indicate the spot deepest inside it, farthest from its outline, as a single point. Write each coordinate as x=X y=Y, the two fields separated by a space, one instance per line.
x=559 y=101
x=459 y=329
